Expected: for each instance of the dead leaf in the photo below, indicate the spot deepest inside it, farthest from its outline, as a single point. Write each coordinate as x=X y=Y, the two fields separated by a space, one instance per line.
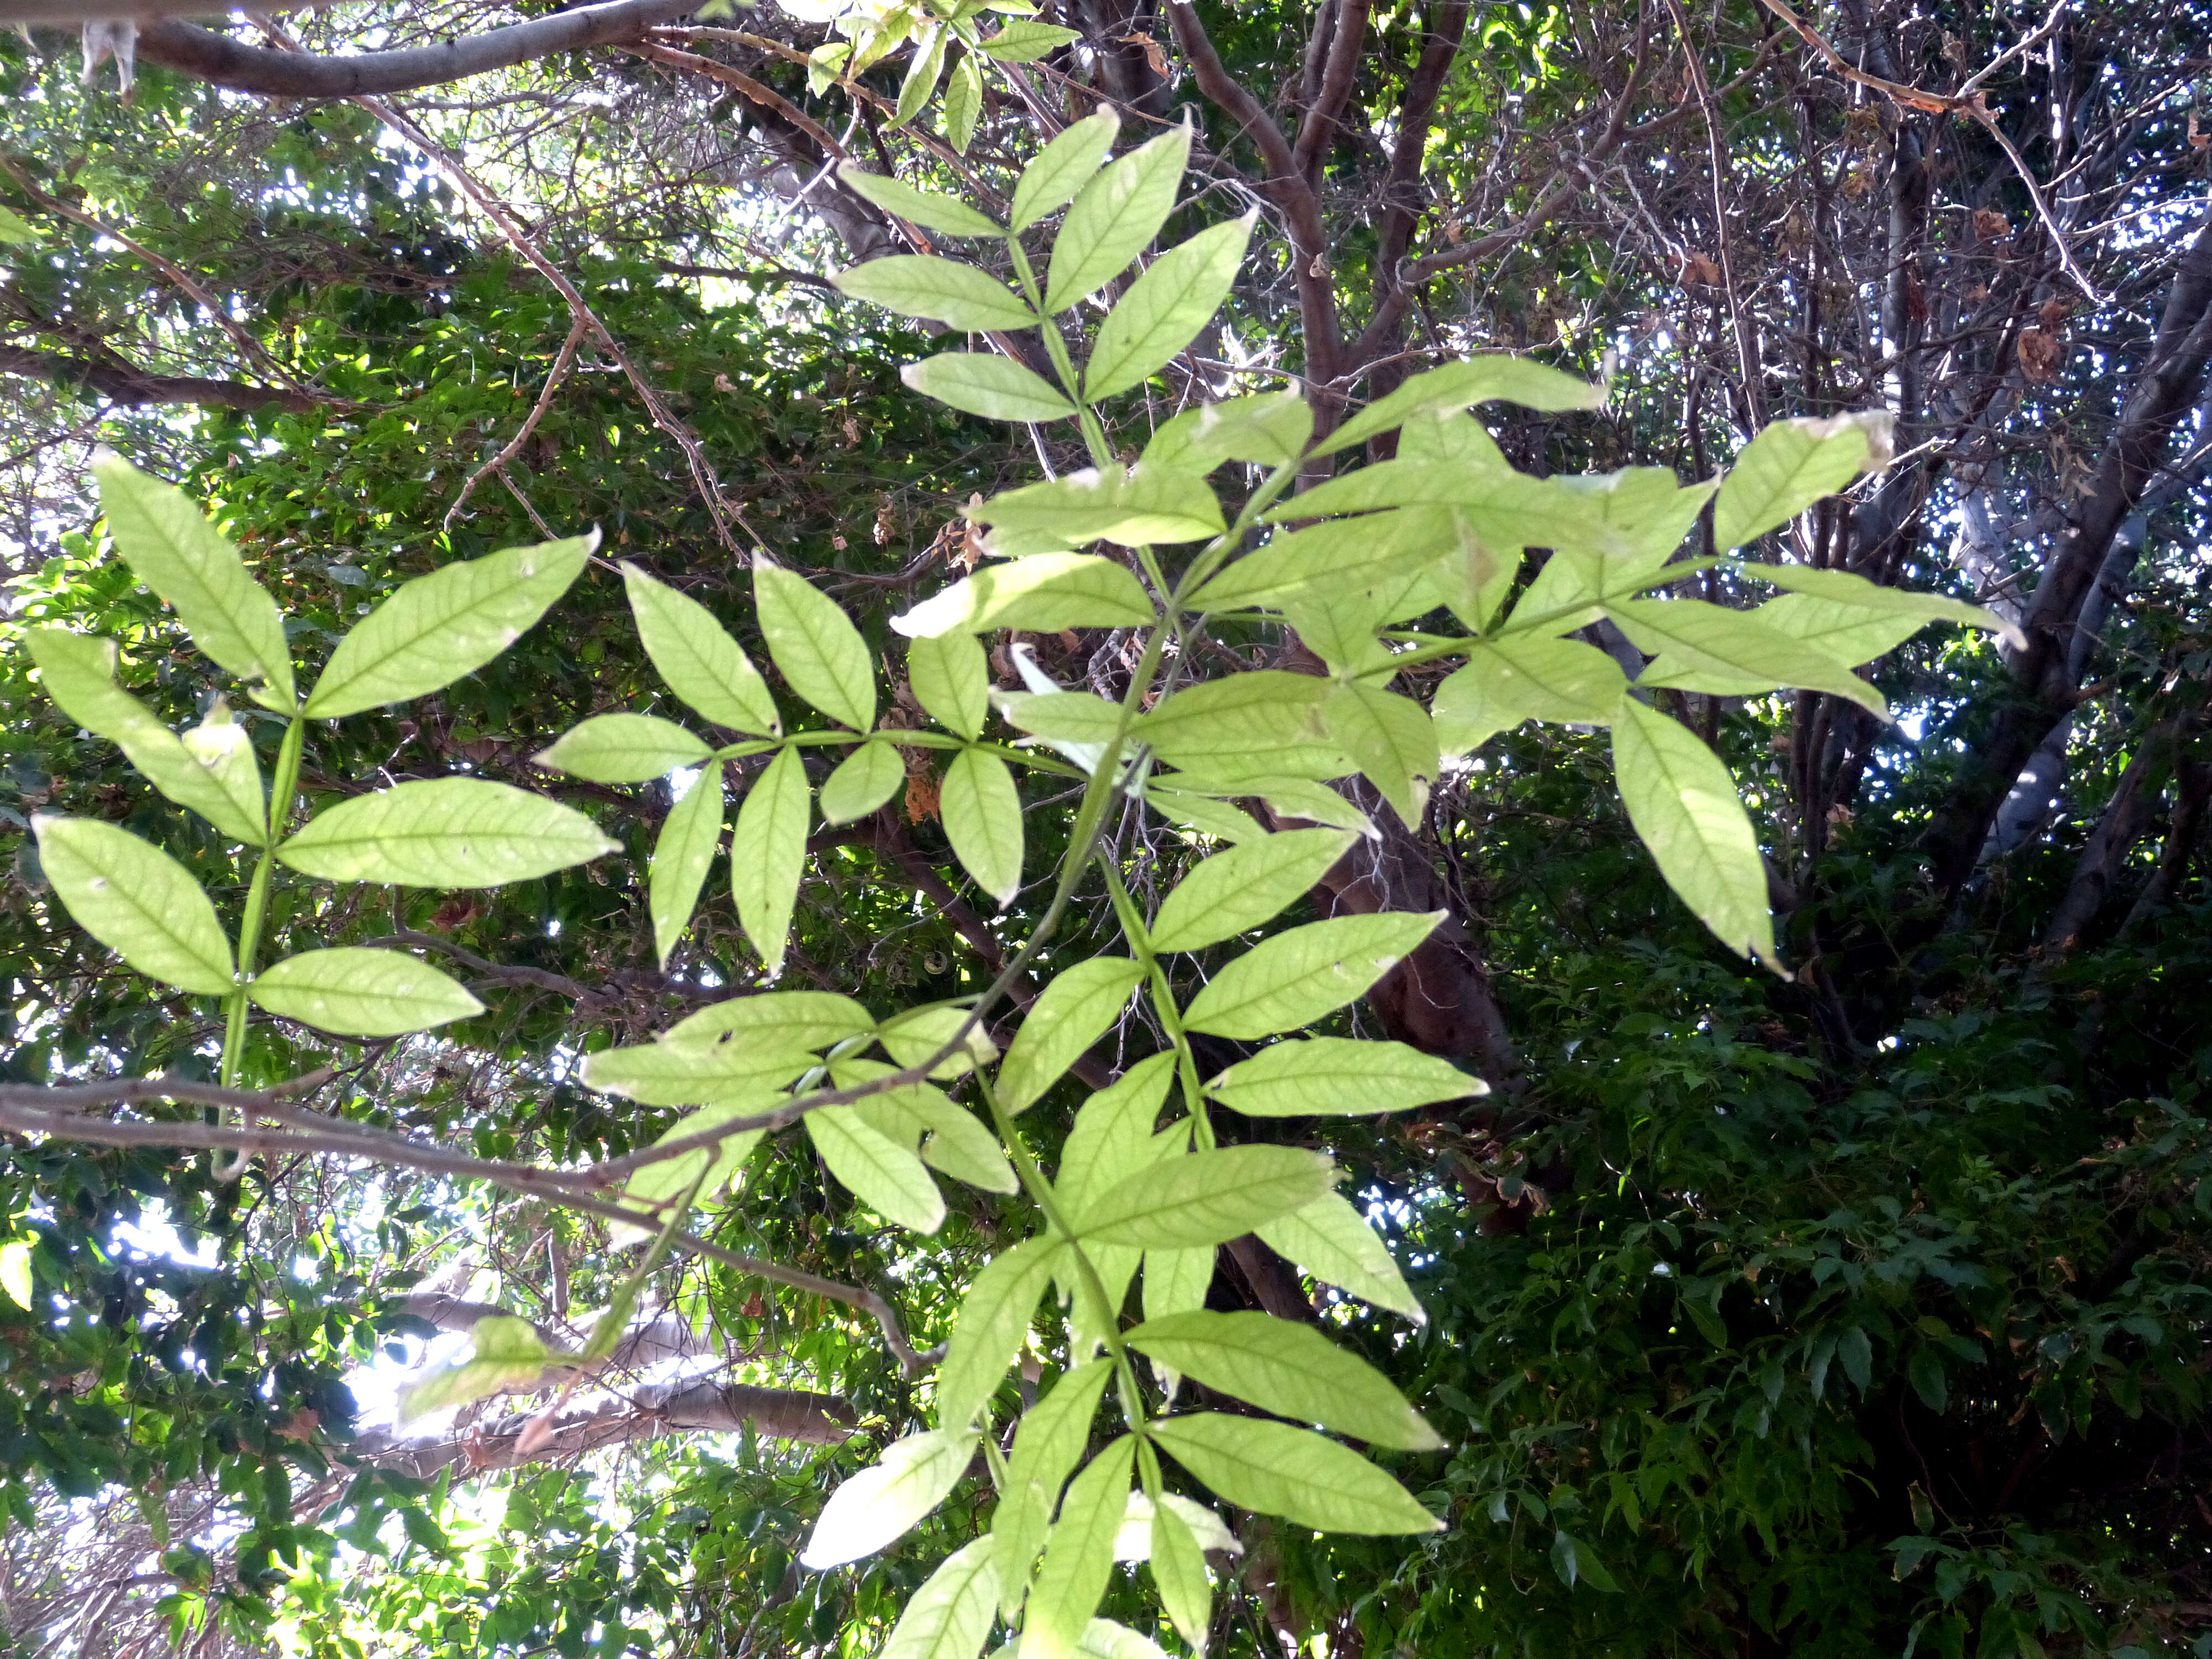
x=1155 y=58
x=1915 y=299
x=2038 y=354
x=723 y=383
x=1699 y=271
x=921 y=788
x=301 y=1426
x=455 y=911
x=2197 y=138
x=537 y=1435
x=2052 y=312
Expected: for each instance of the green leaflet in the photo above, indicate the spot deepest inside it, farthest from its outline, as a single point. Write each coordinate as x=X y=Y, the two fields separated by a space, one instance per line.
x=361 y=993
x=767 y=856
x=79 y=675
x=977 y=383
x=1023 y=41
x=1062 y=167
x=1076 y=717
x=1332 y=1240
x=1503 y=510
x=982 y=815
x=820 y=654
x=1302 y=798
x=1645 y=506
x=1114 y=217
x=1128 y=506
x=696 y=657
x=509 y=1357
x=672 y=1074
x=1792 y=465
x=622 y=749
x=1265 y=722
x=1457 y=386
x=1329 y=1076
x=950 y=1616
x=185 y=560
x=670 y=1179
x=682 y=855
x=1288 y=1368
x=883 y=1501
x=964 y=102
x=1684 y=804
x=1522 y=676
x=17 y=1276
x=1042 y=593
x=1709 y=649
x=1449 y=434
x=1112 y=1136
x=1841 y=588
x=1091 y=1316
x=1237 y=890
x=913 y=1035
x=1294 y=978
x=958 y=1143
x=1275 y=1469
x=947 y=214
x=1079 y=1005
x=878 y=1171
x=136 y=900
x=1850 y=633
x=1134 y=1542
x=1165 y=307
x=1048 y=1446
x=921 y=285
x=14 y=228
x=1203 y=814
x=1333 y=559
x=435 y=629
x=1078 y=1555
x=1179 y=1572
x=444 y=832
x=782 y=1020
x=862 y=781
x=951 y=679
x=1393 y=740
x=1207 y=1198
x=1177 y=1281
x=922 y=74
x=1270 y=427
x=992 y=1324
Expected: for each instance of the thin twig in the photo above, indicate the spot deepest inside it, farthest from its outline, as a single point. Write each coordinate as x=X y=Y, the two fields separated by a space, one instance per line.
x=498 y=462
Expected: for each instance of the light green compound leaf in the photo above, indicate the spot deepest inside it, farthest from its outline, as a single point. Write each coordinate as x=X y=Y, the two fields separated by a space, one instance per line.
x=1075 y=717
x=696 y=657
x=1792 y=465
x=950 y=1616
x=1041 y=594
x=682 y=855
x=136 y=900
x=1326 y=1077
x=862 y=781
x=1288 y=1368
x=1237 y=890
x=964 y=102
x=508 y=1358
x=878 y=1171
x=444 y=832
x=1023 y=42
x=1273 y=1468
x=921 y=75
x=1112 y=1135
x=1179 y=1571
x=951 y=680
x=992 y=1324
x=767 y=856
x=1333 y=559
x=1114 y=217
x=1047 y=1448
x=1684 y=804
x=1841 y=588
x=668 y=1074
x=16 y=1277
x=1645 y=505
x=1078 y=1006
x=1269 y=427
x=663 y=1183
x=783 y=1021
x=1130 y=505
x=1332 y=1240
x=361 y=993
x=1710 y=648
x=1293 y=799
x=79 y=674
x=911 y=1036
x=174 y=551
x=920 y=285
x=1267 y=722
x=978 y=383
x=958 y=1143
x=435 y=629
x=1062 y=167
x=1449 y=434
x=819 y=653
x=982 y=814
x=1849 y=634
x=1078 y=1556
x=945 y=214
x=1165 y=307
x=883 y=1501
x=1524 y=677
x=1296 y=978
x=1207 y=1198
x=622 y=749
x=14 y=228
x=1458 y=385
x=1393 y=740
x=1203 y=814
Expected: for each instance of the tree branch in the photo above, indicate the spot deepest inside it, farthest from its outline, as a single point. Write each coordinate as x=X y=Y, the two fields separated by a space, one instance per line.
x=136 y=389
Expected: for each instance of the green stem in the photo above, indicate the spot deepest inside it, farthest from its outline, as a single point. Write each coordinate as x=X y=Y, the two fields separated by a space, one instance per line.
x=1164 y=1002
x=281 y=785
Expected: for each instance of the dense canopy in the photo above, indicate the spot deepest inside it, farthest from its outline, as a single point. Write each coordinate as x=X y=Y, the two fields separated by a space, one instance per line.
x=1479 y=732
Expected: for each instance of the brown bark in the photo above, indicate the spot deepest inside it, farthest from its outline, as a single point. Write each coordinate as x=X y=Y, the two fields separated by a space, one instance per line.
x=136 y=389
